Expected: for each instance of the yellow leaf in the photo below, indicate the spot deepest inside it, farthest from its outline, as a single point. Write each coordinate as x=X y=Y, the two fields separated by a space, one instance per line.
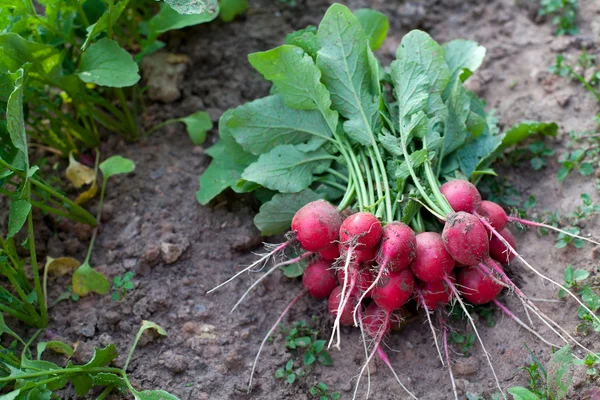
x=78 y=173
x=61 y=265
x=88 y=194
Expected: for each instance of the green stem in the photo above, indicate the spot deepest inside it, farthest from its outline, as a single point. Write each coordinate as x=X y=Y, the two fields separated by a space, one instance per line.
x=584 y=82
x=408 y=161
x=348 y=196
x=81 y=12
x=15 y=283
x=98 y=215
x=162 y=125
x=380 y=194
x=109 y=30
x=133 y=134
x=18 y=266
x=386 y=185
x=361 y=189
x=435 y=189
x=29 y=320
x=34 y=264
x=66 y=371
x=337 y=174
x=365 y=164
x=332 y=184
x=105 y=393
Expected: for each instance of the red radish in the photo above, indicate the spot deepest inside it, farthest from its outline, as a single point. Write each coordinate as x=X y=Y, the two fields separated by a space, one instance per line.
x=364 y=254
x=394 y=290
x=494 y=214
x=318 y=279
x=465 y=238
x=376 y=321
x=363 y=277
x=477 y=287
x=330 y=253
x=432 y=262
x=462 y=195
x=434 y=294
x=498 y=250
x=397 y=248
x=316 y=225
x=335 y=299
x=363 y=227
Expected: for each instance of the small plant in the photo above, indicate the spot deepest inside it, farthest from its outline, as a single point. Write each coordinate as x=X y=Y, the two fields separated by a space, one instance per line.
x=581 y=281
x=320 y=391
x=539 y=151
x=121 y=285
x=546 y=383
x=464 y=342
x=300 y=335
x=288 y=372
x=564 y=15
x=591 y=361
x=574 y=160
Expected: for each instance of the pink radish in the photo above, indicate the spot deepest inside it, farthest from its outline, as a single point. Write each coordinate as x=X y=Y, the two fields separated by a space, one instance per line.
x=462 y=195
x=498 y=250
x=394 y=290
x=316 y=225
x=319 y=279
x=432 y=262
x=494 y=214
x=465 y=238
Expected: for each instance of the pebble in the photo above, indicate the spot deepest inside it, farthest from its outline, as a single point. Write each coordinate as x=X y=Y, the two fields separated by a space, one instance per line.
x=175 y=363
x=171 y=252
x=466 y=367
x=112 y=317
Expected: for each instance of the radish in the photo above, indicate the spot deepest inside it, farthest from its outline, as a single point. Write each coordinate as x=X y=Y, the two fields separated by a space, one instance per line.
x=316 y=225
x=394 y=290
x=433 y=295
x=432 y=262
x=330 y=253
x=498 y=250
x=334 y=304
x=318 y=279
x=364 y=254
x=363 y=279
x=477 y=287
x=397 y=248
x=494 y=214
x=462 y=195
x=361 y=229
x=465 y=238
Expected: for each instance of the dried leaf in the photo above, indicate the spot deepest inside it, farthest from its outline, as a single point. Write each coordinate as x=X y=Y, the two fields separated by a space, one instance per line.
x=61 y=266
x=79 y=174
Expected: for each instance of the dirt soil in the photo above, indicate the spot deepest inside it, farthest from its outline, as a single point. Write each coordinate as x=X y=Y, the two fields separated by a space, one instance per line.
x=179 y=249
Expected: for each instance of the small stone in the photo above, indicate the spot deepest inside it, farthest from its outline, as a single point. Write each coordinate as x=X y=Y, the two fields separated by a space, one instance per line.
x=563 y=99
x=151 y=255
x=466 y=367
x=163 y=77
x=105 y=339
x=560 y=44
x=234 y=361
x=171 y=252
x=112 y=317
x=87 y=330
x=596 y=253
x=175 y=363
x=107 y=212
x=83 y=232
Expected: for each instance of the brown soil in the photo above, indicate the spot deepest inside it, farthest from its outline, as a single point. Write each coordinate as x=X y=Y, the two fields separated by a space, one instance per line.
x=208 y=352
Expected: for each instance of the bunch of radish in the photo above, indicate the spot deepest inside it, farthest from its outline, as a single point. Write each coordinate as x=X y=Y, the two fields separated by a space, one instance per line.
x=368 y=271
x=394 y=151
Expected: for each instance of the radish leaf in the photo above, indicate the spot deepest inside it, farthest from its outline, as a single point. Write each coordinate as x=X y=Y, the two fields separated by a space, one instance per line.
x=116 y=165
x=275 y=216
x=266 y=123
x=375 y=25
x=287 y=169
x=105 y=63
x=463 y=57
x=19 y=210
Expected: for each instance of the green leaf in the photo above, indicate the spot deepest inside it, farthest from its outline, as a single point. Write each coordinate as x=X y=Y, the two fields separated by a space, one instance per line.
x=586 y=169
x=82 y=383
x=345 y=60
x=581 y=275
x=537 y=163
x=87 y=280
x=275 y=216
x=569 y=274
x=375 y=25
x=11 y=395
x=266 y=123
x=530 y=202
x=297 y=79
x=15 y=121
x=325 y=359
x=194 y=7
x=455 y=128
x=154 y=395
x=521 y=393
x=56 y=346
x=152 y=325
x=306 y=39
x=563 y=172
x=197 y=125
x=9 y=153
x=521 y=131
x=287 y=169
x=291 y=378
x=293 y=271
x=106 y=379
x=116 y=165
x=411 y=89
x=309 y=358
x=101 y=25
x=463 y=57
x=279 y=373
x=168 y=19
x=44 y=61
x=105 y=63
x=560 y=377
x=416 y=159
x=229 y=161
x=19 y=210
x=232 y=8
